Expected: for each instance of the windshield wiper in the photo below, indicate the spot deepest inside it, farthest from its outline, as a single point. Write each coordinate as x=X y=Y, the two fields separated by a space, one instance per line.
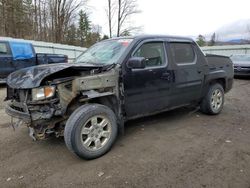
x=88 y=62
x=108 y=67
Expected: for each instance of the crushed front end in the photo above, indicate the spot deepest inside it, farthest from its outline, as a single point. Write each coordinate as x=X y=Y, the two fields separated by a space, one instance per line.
x=45 y=104
x=36 y=114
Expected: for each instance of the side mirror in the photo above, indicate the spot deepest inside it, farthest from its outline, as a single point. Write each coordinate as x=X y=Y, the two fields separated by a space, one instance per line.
x=136 y=63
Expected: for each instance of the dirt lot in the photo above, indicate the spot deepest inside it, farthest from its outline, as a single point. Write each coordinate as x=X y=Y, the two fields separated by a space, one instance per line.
x=181 y=148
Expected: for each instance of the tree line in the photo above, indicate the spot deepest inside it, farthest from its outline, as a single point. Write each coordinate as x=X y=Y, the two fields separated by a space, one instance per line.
x=45 y=20
x=63 y=21
x=201 y=40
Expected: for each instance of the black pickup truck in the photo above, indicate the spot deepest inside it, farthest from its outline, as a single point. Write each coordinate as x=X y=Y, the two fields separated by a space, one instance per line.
x=116 y=80
x=15 y=55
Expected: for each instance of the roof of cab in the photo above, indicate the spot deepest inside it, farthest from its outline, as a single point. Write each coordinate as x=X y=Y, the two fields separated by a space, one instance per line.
x=164 y=37
x=9 y=40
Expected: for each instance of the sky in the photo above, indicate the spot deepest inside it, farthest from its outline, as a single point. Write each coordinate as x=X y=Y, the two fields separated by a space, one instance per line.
x=178 y=17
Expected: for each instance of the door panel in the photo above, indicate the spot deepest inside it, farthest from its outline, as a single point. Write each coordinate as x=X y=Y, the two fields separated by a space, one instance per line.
x=188 y=72
x=188 y=85
x=146 y=90
x=19 y=64
x=6 y=66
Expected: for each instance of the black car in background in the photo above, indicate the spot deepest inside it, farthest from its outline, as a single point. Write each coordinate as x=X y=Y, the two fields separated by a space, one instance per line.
x=15 y=55
x=241 y=64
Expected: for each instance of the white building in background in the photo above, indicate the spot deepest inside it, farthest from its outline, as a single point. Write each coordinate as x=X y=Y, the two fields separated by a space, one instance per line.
x=227 y=50
x=74 y=51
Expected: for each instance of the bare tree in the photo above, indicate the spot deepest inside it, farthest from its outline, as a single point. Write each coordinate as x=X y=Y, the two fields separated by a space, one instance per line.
x=3 y=17
x=111 y=12
x=123 y=9
x=35 y=26
x=126 y=8
x=45 y=20
x=248 y=31
x=62 y=12
x=110 y=18
x=40 y=18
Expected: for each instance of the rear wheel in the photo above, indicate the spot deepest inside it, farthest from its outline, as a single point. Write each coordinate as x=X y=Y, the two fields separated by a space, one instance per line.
x=213 y=102
x=91 y=131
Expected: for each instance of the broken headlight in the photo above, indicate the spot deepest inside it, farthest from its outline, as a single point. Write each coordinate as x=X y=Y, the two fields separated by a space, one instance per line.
x=43 y=93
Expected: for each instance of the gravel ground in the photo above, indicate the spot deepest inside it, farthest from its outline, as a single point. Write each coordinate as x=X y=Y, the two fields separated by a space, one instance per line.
x=181 y=148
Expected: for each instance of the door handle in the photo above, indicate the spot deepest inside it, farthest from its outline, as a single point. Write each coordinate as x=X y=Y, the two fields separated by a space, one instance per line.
x=199 y=71
x=165 y=76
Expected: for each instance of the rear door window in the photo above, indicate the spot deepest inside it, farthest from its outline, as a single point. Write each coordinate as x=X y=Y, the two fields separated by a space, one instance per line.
x=182 y=53
x=4 y=49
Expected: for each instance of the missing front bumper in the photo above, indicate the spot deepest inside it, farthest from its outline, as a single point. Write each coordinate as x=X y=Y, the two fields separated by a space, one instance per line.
x=22 y=115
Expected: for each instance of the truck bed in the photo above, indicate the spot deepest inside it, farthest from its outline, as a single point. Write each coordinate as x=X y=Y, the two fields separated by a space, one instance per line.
x=220 y=65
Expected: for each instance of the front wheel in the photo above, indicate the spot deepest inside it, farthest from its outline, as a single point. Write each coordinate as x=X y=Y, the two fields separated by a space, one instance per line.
x=91 y=131
x=213 y=102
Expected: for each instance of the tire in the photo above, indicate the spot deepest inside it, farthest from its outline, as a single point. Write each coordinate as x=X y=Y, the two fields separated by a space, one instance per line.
x=88 y=124
x=213 y=102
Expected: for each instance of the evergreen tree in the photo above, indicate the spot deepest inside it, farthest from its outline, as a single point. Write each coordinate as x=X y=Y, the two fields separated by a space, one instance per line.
x=212 y=41
x=93 y=38
x=105 y=37
x=84 y=28
x=201 y=41
x=71 y=37
x=125 y=33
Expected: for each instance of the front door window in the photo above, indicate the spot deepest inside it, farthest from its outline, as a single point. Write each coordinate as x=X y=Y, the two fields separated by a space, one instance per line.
x=153 y=52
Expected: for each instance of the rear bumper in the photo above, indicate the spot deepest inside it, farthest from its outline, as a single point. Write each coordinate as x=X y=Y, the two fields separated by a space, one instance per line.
x=241 y=71
x=11 y=110
x=241 y=74
x=229 y=85
x=2 y=80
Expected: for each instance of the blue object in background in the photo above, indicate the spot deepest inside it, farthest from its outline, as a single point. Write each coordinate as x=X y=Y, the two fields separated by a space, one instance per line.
x=15 y=55
x=21 y=50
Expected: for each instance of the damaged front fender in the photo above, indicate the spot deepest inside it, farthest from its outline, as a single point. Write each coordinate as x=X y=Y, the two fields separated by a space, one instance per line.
x=50 y=115
x=88 y=87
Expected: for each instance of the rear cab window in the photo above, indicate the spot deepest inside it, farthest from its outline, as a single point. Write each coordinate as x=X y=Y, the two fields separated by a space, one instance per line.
x=4 y=50
x=21 y=50
x=182 y=53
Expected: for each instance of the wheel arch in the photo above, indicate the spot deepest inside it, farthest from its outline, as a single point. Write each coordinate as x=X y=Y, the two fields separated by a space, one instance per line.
x=109 y=100
x=221 y=81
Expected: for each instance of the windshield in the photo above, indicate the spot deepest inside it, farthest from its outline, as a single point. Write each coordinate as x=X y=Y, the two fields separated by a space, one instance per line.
x=106 y=52
x=241 y=58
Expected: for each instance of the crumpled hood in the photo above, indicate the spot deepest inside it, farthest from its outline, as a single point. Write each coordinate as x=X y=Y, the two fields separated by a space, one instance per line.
x=32 y=77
